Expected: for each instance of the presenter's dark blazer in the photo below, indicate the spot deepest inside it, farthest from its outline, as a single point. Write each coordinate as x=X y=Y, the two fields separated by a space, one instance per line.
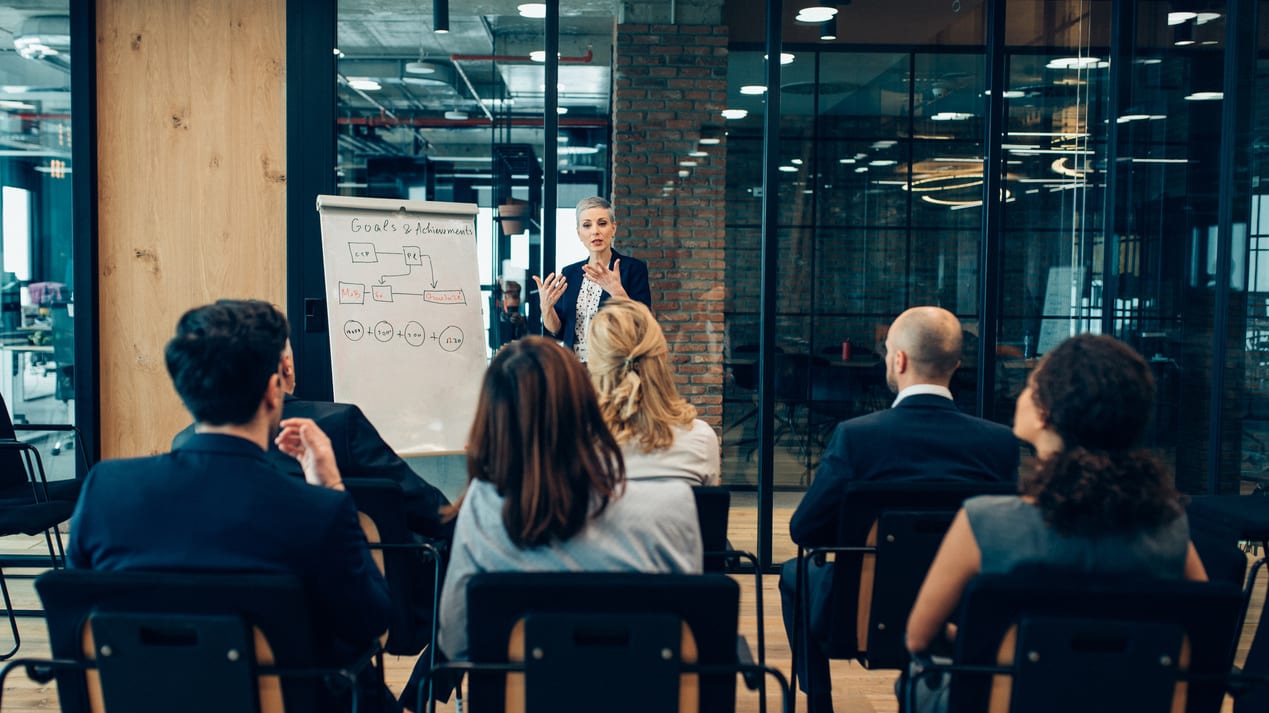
x=360 y=452
x=634 y=279
x=217 y=504
x=925 y=437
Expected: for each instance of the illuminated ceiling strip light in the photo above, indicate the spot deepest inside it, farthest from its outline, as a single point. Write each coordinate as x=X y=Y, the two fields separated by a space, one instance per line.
x=1061 y=134
x=931 y=189
x=1031 y=152
x=1160 y=160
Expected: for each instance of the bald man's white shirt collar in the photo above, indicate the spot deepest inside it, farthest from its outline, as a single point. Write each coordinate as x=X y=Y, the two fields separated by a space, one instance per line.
x=916 y=389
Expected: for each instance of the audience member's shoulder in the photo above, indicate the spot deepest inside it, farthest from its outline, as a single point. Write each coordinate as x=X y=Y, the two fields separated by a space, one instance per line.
x=990 y=505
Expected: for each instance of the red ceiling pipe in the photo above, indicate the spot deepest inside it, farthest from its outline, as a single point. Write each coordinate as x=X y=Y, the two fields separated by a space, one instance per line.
x=437 y=122
x=584 y=59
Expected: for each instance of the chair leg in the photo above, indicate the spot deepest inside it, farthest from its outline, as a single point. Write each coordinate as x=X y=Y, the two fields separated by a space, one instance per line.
x=13 y=621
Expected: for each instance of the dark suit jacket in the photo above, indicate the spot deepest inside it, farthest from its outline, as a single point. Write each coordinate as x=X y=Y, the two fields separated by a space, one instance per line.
x=217 y=504
x=925 y=437
x=634 y=278
x=360 y=452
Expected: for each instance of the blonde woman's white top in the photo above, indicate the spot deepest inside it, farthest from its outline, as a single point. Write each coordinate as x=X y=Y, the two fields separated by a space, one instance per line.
x=692 y=457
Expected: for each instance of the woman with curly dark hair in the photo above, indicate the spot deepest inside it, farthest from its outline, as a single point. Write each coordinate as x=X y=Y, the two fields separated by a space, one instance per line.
x=1097 y=503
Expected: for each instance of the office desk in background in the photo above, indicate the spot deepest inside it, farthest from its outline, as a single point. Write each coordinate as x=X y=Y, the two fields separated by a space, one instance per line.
x=15 y=362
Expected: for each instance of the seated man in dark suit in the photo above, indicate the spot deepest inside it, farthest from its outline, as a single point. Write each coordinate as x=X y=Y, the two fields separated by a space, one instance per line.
x=217 y=503
x=360 y=452
x=921 y=437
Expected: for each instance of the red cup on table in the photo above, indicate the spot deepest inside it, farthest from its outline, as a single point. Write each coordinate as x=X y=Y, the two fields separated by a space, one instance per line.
x=846 y=350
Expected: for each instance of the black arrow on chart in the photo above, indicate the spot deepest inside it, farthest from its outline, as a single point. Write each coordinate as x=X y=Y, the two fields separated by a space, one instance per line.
x=430 y=269
x=408 y=269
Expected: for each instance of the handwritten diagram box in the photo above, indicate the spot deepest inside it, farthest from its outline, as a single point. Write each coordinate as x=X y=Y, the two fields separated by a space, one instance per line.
x=363 y=252
x=413 y=254
x=352 y=293
x=445 y=297
x=381 y=293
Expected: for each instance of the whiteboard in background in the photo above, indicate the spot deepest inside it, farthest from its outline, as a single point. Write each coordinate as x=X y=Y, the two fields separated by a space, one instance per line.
x=403 y=302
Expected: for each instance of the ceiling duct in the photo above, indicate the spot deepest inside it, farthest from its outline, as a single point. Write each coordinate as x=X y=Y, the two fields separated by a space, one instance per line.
x=45 y=38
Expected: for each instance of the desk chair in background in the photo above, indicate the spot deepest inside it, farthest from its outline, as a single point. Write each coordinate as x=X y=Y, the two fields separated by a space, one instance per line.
x=63 y=334
x=622 y=643
x=888 y=534
x=201 y=643
x=1047 y=643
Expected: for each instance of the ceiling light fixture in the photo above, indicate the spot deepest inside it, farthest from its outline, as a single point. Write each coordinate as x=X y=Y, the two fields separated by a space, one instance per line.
x=420 y=67
x=1205 y=96
x=456 y=115
x=440 y=17
x=364 y=84
x=735 y=113
x=1205 y=17
x=785 y=57
x=753 y=89
x=698 y=154
x=538 y=55
x=828 y=30
x=1077 y=63
x=816 y=13
x=1183 y=35
x=1177 y=18
x=789 y=169
x=534 y=10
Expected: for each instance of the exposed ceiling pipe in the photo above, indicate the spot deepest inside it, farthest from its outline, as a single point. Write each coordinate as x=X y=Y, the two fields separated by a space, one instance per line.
x=436 y=122
x=472 y=89
x=583 y=59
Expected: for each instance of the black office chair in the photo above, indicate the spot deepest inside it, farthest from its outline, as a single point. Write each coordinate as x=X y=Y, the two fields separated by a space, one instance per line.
x=1253 y=697
x=200 y=643
x=888 y=534
x=622 y=643
x=1048 y=643
x=411 y=568
x=713 y=508
x=22 y=474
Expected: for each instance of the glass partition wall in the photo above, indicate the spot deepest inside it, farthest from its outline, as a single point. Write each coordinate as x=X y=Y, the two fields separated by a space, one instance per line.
x=37 y=290
x=1126 y=156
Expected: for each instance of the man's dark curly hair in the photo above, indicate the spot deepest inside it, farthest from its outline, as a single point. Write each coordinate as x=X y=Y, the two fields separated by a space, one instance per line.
x=222 y=357
x=1098 y=394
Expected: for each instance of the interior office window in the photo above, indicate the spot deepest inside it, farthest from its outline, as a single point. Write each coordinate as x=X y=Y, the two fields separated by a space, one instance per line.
x=37 y=371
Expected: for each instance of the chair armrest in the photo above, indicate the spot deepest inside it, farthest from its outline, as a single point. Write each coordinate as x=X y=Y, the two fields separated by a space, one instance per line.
x=45 y=427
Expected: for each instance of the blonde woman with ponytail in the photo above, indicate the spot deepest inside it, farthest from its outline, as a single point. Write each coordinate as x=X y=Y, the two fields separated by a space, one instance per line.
x=659 y=434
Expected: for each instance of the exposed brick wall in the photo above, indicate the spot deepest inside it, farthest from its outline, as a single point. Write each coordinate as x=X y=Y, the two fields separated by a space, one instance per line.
x=670 y=84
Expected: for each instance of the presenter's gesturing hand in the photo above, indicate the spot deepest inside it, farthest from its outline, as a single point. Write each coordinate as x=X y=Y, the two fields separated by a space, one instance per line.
x=304 y=441
x=549 y=292
x=610 y=280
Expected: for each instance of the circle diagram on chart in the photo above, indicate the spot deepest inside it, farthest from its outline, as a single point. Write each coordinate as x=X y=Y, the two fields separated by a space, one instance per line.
x=354 y=330
x=383 y=331
x=414 y=334
x=450 y=338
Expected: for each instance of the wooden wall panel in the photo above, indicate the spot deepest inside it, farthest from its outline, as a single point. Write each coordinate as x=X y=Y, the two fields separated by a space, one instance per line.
x=192 y=186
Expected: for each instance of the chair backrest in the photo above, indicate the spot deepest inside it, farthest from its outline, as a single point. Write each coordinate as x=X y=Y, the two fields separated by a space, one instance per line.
x=613 y=630
x=13 y=470
x=873 y=593
x=713 y=505
x=1091 y=646
x=410 y=584
x=1256 y=699
x=63 y=333
x=165 y=641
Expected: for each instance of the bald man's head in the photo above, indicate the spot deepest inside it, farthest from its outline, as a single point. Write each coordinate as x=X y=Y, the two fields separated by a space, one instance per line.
x=930 y=337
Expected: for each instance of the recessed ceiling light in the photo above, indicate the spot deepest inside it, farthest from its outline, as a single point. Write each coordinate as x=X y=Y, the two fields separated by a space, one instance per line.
x=711 y=142
x=685 y=173
x=698 y=154
x=845 y=160
x=364 y=84
x=951 y=116
x=561 y=110
x=880 y=145
x=535 y=10
x=753 y=89
x=862 y=169
x=1205 y=96
x=735 y=113
x=687 y=163
x=796 y=162
x=538 y=55
x=882 y=162
x=789 y=169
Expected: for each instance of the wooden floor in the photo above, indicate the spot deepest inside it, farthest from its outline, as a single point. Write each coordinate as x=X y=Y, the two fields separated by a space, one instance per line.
x=856 y=690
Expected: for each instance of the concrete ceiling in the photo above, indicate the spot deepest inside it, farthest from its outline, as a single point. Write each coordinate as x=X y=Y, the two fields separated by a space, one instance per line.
x=35 y=93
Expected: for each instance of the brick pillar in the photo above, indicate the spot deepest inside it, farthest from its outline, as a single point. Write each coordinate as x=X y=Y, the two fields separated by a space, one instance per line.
x=670 y=85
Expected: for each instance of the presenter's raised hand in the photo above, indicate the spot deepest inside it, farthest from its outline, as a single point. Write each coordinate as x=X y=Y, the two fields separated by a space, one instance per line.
x=549 y=292
x=610 y=280
x=304 y=441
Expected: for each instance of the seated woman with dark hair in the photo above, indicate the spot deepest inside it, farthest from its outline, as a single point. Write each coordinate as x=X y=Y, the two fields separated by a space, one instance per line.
x=547 y=489
x=1097 y=504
